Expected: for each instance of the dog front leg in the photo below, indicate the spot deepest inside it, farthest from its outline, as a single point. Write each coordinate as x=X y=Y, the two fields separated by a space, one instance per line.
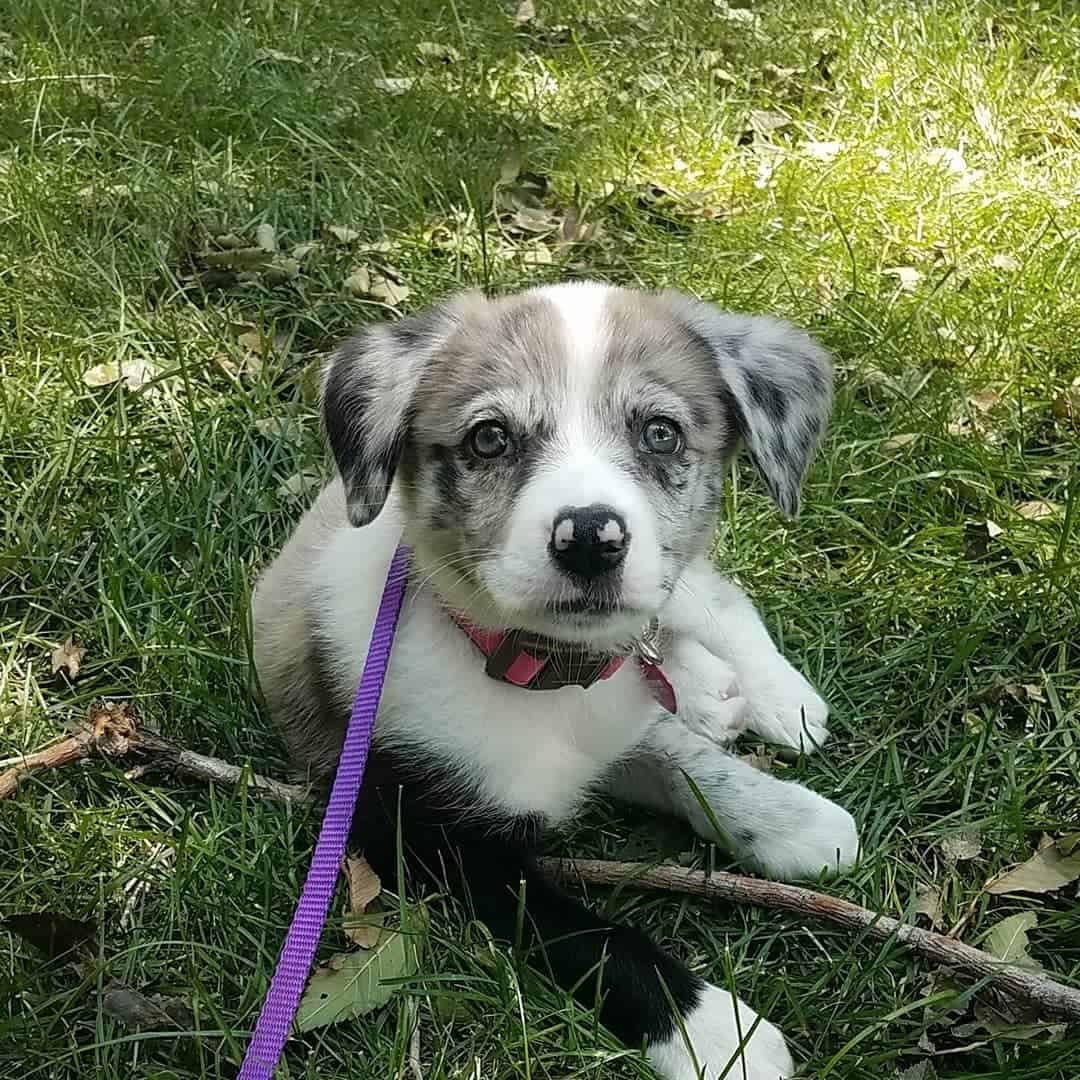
x=774 y=826
x=782 y=706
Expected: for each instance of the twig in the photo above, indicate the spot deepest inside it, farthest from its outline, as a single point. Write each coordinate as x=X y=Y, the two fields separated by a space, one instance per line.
x=22 y=80
x=1048 y=996
x=112 y=730
x=65 y=752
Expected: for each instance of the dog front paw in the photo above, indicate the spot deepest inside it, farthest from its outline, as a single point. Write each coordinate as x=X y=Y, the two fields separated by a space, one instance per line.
x=714 y=1029
x=802 y=837
x=785 y=709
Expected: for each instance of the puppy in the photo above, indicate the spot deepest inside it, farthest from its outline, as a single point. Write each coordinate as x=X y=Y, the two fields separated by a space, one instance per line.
x=555 y=459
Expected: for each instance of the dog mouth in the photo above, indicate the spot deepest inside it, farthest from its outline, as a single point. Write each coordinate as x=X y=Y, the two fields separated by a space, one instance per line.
x=596 y=603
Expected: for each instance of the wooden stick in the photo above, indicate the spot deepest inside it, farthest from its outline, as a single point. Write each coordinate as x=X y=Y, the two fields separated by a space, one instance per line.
x=73 y=748
x=1050 y=997
x=112 y=730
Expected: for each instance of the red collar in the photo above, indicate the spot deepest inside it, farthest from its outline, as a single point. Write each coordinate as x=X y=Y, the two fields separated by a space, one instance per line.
x=533 y=662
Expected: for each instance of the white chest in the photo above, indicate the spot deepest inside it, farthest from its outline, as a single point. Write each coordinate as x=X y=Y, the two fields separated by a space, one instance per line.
x=526 y=751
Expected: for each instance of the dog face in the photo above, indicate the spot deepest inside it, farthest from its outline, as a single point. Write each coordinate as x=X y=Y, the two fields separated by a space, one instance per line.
x=560 y=453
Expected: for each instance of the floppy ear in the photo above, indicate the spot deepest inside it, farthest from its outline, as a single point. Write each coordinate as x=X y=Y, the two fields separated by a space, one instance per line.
x=778 y=383
x=368 y=388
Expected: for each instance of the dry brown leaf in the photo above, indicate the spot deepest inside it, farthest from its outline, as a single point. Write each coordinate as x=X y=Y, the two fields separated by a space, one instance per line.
x=985 y=400
x=395 y=87
x=266 y=237
x=364 y=887
x=1048 y=870
x=760 y=759
x=287 y=429
x=525 y=13
x=766 y=121
x=435 y=50
x=300 y=484
x=961 y=847
x=343 y=234
x=898 y=442
x=68 y=657
x=822 y=151
x=358 y=283
x=907 y=277
x=1037 y=509
x=302 y=251
x=929 y=903
x=388 y=291
x=133 y=374
x=1066 y=405
x=276 y=56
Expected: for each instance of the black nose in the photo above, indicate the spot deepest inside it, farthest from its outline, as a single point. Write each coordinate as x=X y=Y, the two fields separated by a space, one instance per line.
x=589 y=540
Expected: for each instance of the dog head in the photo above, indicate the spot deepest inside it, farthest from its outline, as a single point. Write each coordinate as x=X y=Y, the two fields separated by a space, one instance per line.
x=560 y=452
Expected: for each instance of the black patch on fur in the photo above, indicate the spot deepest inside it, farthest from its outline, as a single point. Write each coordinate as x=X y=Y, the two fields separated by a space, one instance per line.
x=767 y=396
x=484 y=858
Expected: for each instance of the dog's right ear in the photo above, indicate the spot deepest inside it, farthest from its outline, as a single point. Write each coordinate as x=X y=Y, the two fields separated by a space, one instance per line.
x=368 y=388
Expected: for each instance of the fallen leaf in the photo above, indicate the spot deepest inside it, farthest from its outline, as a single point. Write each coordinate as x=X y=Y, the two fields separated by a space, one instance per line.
x=133 y=374
x=993 y=529
x=1001 y=1020
x=537 y=255
x=907 y=277
x=281 y=269
x=985 y=400
x=285 y=428
x=68 y=657
x=140 y=1012
x=1008 y=940
x=822 y=151
x=354 y=983
x=1037 y=509
x=54 y=934
x=921 y=1070
x=389 y=292
x=299 y=484
x=1004 y=262
x=1048 y=870
x=898 y=442
x=434 y=50
x=302 y=251
x=1066 y=405
x=343 y=234
x=239 y=258
x=766 y=121
x=394 y=87
x=928 y=902
x=961 y=847
x=364 y=887
x=525 y=13
x=276 y=56
x=824 y=292
x=359 y=282
x=266 y=237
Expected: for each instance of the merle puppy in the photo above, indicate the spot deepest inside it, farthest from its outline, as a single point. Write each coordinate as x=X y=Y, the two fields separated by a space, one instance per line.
x=555 y=460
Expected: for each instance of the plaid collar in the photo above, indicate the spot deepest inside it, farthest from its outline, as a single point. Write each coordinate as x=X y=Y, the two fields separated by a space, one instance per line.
x=534 y=662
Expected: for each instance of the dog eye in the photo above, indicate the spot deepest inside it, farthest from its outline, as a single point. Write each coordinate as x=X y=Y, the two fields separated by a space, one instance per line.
x=661 y=436
x=489 y=440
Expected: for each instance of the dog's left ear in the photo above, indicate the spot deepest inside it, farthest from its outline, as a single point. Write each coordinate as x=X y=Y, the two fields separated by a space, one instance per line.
x=778 y=383
x=367 y=394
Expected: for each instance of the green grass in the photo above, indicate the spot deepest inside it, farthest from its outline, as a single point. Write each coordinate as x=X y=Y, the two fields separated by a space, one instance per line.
x=139 y=519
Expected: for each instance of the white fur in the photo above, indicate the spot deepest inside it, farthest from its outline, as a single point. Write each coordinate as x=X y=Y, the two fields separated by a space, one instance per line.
x=715 y=1030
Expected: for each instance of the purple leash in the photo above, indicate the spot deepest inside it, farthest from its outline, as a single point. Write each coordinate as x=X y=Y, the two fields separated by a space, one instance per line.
x=294 y=963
